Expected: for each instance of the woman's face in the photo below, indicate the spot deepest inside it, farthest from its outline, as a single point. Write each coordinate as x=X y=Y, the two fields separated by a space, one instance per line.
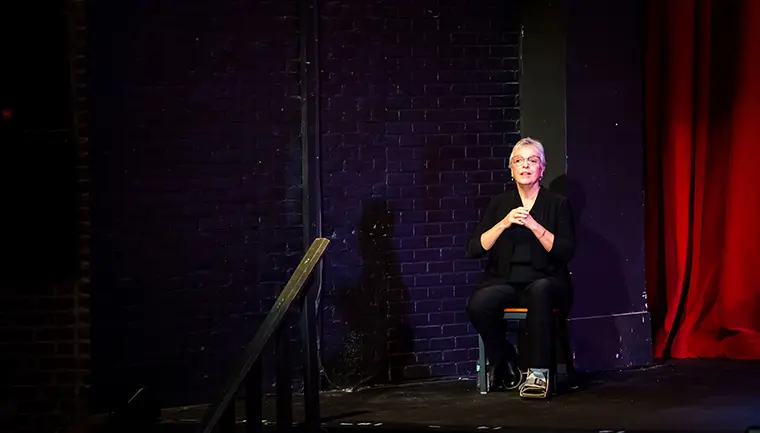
x=526 y=166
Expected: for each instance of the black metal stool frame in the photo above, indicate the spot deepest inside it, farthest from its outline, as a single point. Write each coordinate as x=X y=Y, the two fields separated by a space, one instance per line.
x=563 y=369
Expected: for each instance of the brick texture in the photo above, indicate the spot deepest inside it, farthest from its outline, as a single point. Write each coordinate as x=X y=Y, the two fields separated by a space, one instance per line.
x=44 y=312
x=420 y=107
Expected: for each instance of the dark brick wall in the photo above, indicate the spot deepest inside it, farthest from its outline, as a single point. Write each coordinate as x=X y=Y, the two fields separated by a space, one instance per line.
x=420 y=106
x=196 y=192
x=44 y=314
x=196 y=186
x=195 y=189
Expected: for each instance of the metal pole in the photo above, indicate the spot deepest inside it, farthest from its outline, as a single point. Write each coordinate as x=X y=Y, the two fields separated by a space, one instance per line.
x=312 y=203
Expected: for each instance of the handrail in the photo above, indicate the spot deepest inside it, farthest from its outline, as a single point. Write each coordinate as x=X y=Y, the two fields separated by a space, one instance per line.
x=225 y=403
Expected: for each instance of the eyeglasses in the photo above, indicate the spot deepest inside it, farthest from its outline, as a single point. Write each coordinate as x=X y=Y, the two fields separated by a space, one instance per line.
x=533 y=160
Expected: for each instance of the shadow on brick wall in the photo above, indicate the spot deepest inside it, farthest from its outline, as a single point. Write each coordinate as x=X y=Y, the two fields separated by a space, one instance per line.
x=374 y=308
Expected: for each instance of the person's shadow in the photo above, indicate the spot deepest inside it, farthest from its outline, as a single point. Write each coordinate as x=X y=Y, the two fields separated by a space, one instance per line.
x=599 y=286
x=374 y=308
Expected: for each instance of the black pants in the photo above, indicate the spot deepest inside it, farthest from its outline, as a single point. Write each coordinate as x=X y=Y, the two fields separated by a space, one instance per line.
x=486 y=311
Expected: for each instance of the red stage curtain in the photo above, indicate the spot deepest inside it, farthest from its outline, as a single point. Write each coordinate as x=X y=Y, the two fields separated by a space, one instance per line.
x=703 y=164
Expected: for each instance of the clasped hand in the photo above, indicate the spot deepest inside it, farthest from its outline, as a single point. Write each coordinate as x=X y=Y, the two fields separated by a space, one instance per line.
x=520 y=216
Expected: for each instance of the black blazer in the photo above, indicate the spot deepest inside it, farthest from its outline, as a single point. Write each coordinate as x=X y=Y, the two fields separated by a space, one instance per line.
x=552 y=211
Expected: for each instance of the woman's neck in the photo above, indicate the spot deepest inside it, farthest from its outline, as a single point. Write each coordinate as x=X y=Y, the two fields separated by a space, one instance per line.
x=528 y=192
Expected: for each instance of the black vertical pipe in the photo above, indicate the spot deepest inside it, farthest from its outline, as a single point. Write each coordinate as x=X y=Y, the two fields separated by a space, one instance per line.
x=304 y=30
x=310 y=123
x=312 y=202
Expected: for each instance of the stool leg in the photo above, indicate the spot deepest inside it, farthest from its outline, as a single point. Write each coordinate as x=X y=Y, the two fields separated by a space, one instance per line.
x=557 y=369
x=482 y=371
x=567 y=354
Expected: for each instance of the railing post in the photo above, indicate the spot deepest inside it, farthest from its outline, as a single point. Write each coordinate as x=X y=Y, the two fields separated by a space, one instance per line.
x=284 y=381
x=227 y=423
x=310 y=362
x=253 y=394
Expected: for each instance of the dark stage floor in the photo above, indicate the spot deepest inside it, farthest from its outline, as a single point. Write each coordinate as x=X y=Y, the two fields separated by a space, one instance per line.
x=689 y=395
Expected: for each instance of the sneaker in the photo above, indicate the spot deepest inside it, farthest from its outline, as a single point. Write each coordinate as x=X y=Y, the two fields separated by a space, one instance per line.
x=536 y=385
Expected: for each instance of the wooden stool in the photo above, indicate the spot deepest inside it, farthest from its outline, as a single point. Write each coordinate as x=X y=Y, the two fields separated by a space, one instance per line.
x=563 y=367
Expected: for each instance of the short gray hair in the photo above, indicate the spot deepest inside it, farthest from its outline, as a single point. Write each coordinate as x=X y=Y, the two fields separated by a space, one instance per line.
x=525 y=142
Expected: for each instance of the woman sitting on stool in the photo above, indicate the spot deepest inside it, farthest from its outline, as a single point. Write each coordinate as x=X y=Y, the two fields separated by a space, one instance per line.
x=529 y=236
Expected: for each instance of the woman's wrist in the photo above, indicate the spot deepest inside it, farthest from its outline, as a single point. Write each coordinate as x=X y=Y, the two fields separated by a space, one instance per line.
x=539 y=231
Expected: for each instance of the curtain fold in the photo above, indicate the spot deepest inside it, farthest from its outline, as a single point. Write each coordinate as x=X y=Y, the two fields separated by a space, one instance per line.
x=702 y=101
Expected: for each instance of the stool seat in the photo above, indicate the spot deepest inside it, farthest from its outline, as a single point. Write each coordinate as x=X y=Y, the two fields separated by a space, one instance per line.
x=520 y=313
x=524 y=310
